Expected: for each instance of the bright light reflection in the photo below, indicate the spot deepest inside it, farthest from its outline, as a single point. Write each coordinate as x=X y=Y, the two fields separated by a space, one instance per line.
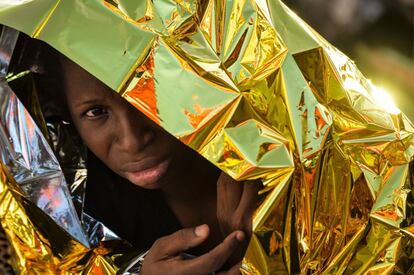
x=384 y=100
x=13 y=2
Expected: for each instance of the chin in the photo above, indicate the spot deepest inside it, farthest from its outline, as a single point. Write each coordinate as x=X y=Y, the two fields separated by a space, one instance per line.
x=146 y=185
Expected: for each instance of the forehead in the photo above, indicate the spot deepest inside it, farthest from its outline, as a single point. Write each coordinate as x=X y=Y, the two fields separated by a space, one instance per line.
x=80 y=85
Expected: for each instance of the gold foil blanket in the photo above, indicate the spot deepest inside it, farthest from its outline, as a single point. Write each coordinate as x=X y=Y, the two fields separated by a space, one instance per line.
x=260 y=94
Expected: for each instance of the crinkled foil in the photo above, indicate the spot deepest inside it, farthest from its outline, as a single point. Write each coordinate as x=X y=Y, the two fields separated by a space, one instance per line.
x=41 y=214
x=261 y=95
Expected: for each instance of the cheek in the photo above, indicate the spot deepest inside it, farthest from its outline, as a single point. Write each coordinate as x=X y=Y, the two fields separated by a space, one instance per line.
x=98 y=140
x=167 y=141
x=176 y=147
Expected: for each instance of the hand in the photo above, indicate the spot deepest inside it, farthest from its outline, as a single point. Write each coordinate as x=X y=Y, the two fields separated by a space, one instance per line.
x=236 y=202
x=165 y=256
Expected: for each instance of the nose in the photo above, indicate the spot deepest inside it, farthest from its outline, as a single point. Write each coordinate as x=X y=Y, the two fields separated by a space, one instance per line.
x=134 y=132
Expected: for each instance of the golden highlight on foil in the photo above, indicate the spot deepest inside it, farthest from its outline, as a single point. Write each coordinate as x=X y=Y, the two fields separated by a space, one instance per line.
x=260 y=94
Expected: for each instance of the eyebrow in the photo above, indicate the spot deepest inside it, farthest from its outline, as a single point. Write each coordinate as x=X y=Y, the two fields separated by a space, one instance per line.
x=89 y=102
x=95 y=99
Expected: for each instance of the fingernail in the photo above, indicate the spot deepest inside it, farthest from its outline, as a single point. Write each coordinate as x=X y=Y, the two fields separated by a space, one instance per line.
x=201 y=230
x=240 y=236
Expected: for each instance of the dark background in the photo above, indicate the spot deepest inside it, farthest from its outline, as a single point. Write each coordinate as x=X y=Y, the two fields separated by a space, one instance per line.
x=377 y=34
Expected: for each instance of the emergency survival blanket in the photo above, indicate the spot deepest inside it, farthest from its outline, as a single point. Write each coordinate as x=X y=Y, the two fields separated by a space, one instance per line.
x=252 y=88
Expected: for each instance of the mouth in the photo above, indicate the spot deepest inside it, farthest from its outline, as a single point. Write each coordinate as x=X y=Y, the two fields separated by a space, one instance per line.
x=148 y=173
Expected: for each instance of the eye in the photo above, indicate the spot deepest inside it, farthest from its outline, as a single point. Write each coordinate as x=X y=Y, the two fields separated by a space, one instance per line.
x=96 y=112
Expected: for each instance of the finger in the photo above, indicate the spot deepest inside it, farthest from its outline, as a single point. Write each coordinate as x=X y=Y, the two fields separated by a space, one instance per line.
x=249 y=196
x=180 y=241
x=235 y=270
x=229 y=193
x=214 y=259
x=247 y=205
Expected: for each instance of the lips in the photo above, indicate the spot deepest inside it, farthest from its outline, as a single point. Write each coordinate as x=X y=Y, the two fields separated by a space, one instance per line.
x=146 y=173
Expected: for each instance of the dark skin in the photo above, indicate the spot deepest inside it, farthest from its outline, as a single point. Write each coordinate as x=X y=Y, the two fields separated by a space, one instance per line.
x=137 y=149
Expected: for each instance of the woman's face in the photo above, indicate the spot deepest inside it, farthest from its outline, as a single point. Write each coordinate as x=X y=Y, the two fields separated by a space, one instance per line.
x=119 y=135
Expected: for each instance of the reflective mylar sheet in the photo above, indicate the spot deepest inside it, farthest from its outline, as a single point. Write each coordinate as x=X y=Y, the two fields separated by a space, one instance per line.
x=260 y=94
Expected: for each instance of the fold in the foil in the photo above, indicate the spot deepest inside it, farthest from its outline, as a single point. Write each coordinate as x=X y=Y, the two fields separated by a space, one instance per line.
x=34 y=192
x=28 y=157
x=37 y=214
x=261 y=95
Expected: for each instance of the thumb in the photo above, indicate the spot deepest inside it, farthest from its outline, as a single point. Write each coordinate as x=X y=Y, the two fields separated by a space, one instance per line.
x=182 y=240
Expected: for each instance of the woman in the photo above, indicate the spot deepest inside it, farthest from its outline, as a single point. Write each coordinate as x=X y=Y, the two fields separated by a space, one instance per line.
x=155 y=185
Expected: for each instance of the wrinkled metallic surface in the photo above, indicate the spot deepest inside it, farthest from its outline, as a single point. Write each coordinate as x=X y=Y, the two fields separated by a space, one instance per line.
x=257 y=92
x=48 y=238
x=31 y=162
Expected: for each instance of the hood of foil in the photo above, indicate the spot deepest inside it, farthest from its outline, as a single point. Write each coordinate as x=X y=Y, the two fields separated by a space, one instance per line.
x=260 y=94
